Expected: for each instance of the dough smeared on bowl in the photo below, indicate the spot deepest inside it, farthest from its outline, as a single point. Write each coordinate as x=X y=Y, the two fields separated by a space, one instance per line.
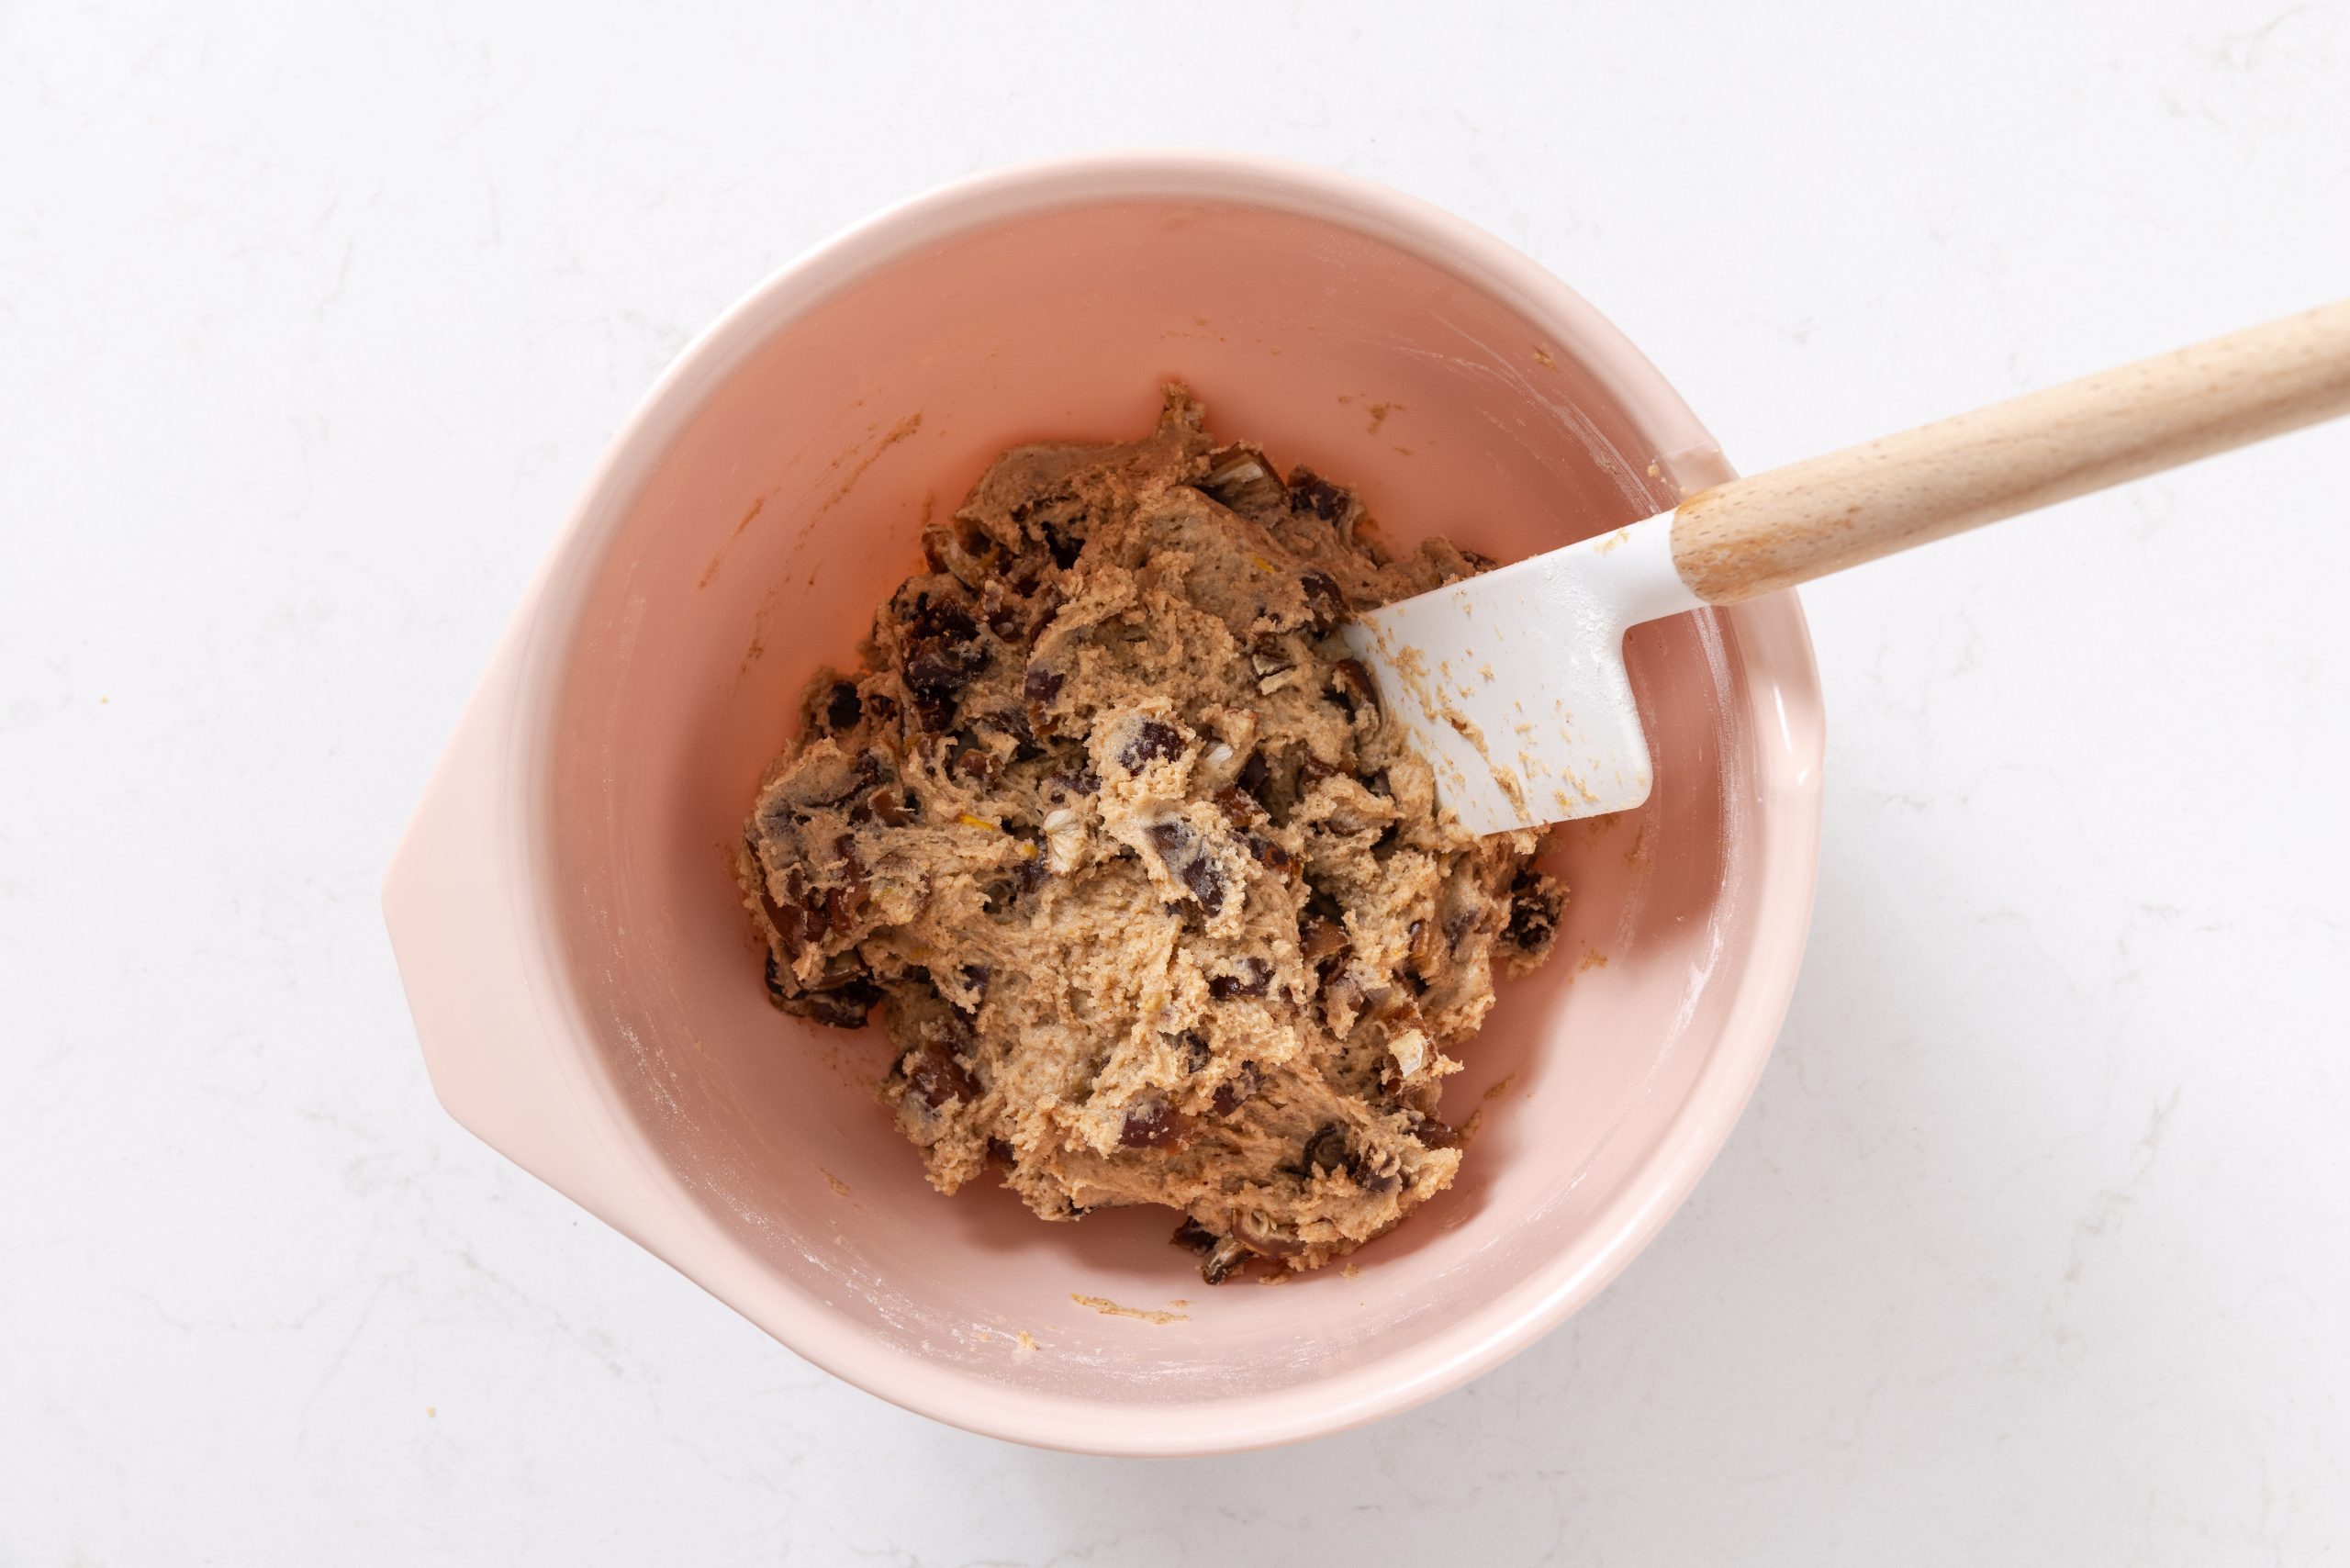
x=1158 y=908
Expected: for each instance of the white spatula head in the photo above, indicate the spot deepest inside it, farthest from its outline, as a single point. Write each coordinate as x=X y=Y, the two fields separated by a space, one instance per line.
x=1513 y=683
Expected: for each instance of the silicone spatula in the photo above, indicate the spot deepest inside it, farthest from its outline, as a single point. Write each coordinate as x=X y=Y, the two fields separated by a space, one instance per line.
x=1512 y=682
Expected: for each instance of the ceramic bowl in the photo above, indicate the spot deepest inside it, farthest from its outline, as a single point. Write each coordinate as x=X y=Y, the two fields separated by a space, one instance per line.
x=564 y=907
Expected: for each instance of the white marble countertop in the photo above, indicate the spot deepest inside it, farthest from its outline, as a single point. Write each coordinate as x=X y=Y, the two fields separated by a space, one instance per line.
x=2035 y=1243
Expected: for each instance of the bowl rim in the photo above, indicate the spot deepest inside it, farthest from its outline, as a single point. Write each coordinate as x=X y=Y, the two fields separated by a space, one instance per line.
x=1779 y=678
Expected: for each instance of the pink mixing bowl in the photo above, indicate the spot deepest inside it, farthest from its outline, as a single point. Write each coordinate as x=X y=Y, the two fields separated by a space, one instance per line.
x=564 y=906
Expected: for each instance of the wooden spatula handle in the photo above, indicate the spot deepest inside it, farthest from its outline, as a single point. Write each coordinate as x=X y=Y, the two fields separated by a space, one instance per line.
x=1769 y=530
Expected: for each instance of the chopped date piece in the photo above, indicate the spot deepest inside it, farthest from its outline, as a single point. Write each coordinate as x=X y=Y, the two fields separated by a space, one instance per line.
x=1269 y=1236
x=1001 y=1152
x=1003 y=606
x=871 y=767
x=1042 y=685
x=1151 y=741
x=806 y=899
x=1309 y=492
x=1227 y=1258
x=1184 y=856
x=777 y=915
x=1233 y=1091
x=1240 y=478
x=839 y=970
x=1254 y=774
x=1254 y=976
x=1352 y=685
x=1267 y=658
x=1534 y=904
x=1196 y=1054
x=972 y=997
x=1193 y=1237
x=843 y=903
x=1205 y=884
x=1221 y=1257
x=936 y=618
x=794 y=922
x=943 y=653
x=1013 y=724
x=1024 y=573
x=933 y=713
x=1070 y=783
x=1004 y=620
x=1434 y=1133
x=824 y=783
x=1321 y=942
x=1152 y=1125
x=1326 y=600
x=1420 y=949
x=936 y=676
x=844 y=1006
x=937 y=1075
x=1272 y=855
x=1239 y=808
x=843 y=707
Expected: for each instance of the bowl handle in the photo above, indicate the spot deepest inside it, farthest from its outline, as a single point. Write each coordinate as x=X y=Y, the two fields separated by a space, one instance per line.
x=457 y=902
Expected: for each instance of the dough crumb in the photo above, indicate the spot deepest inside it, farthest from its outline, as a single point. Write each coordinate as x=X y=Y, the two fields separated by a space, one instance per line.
x=1109 y=1308
x=1107 y=827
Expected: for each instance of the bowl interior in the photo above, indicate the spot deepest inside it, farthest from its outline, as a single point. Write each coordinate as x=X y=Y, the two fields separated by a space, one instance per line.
x=779 y=515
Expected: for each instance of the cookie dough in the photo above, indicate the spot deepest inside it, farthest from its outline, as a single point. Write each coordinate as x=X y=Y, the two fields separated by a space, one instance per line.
x=1156 y=907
